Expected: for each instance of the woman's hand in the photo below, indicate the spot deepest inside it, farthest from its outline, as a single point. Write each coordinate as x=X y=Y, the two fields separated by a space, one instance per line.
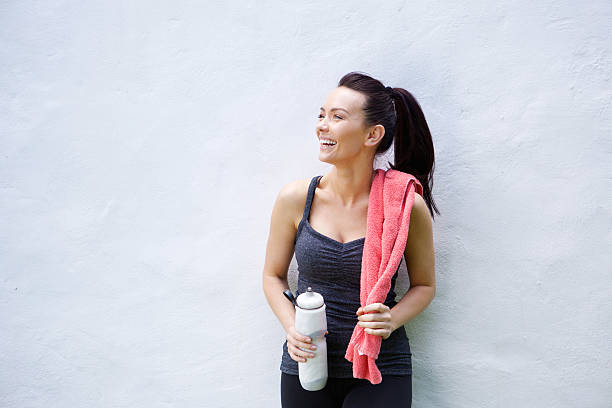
x=295 y=340
x=375 y=318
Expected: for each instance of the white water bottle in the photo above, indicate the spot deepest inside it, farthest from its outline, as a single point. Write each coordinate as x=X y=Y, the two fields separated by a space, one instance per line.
x=310 y=320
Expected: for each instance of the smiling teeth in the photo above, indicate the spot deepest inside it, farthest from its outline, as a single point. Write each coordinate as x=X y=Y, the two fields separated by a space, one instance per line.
x=327 y=142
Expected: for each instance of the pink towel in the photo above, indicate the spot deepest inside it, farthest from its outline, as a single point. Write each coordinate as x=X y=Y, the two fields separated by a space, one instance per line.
x=389 y=207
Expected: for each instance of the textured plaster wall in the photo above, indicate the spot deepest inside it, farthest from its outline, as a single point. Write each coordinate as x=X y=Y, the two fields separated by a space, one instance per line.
x=142 y=145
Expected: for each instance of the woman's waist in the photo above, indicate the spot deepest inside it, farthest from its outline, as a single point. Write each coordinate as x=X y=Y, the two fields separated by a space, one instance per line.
x=339 y=296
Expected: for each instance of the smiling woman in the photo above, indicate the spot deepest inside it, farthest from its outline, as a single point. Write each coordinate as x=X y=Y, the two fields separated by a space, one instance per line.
x=323 y=221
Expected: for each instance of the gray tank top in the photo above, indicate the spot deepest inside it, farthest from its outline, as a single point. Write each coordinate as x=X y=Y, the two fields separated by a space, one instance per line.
x=333 y=269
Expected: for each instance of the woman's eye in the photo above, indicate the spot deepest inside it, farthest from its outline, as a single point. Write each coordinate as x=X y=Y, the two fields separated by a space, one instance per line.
x=337 y=116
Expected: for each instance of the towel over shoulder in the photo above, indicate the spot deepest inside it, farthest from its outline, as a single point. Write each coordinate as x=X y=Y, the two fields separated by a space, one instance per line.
x=388 y=219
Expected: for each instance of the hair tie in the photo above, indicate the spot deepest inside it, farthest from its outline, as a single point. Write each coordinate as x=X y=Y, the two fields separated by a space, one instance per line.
x=391 y=94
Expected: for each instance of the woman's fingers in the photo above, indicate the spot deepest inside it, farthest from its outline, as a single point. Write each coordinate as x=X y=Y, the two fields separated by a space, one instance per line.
x=375 y=318
x=306 y=350
x=294 y=352
x=374 y=312
x=384 y=318
x=384 y=333
x=374 y=307
x=375 y=325
x=381 y=329
x=303 y=342
x=300 y=337
x=299 y=353
x=297 y=344
x=297 y=358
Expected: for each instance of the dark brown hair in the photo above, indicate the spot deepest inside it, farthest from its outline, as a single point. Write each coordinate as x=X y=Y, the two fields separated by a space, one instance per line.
x=405 y=127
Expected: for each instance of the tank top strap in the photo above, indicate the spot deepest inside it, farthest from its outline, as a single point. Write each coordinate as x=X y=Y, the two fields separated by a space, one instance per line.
x=310 y=195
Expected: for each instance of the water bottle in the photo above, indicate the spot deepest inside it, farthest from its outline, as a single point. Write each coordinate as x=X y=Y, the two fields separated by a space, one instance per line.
x=310 y=320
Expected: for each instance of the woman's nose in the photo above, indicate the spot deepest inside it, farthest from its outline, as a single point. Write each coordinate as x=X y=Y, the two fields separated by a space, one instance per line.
x=322 y=124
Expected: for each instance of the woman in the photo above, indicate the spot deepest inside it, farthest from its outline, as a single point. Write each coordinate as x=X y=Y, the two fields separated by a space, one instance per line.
x=323 y=220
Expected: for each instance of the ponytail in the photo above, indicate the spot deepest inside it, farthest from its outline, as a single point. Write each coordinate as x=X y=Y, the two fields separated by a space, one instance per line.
x=414 y=150
x=405 y=127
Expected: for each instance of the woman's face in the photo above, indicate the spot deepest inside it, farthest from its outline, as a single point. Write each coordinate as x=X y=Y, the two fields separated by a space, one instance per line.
x=340 y=121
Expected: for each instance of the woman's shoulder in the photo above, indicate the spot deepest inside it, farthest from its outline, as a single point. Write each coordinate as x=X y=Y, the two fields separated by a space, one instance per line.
x=294 y=191
x=419 y=206
x=292 y=196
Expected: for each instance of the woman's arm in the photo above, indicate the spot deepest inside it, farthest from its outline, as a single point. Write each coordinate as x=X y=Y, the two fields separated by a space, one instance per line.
x=377 y=318
x=279 y=251
x=420 y=262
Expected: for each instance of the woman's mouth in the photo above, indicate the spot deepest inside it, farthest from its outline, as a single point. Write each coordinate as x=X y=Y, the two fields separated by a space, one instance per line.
x=327 y=144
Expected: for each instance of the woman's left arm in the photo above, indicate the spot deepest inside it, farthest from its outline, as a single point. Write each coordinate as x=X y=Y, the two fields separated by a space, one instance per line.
x=420 y=262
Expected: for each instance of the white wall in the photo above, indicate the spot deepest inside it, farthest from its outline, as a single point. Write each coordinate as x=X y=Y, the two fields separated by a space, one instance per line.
x=143 y=145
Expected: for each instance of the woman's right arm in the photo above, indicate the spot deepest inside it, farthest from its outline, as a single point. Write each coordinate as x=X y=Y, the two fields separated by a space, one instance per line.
x=279 y=251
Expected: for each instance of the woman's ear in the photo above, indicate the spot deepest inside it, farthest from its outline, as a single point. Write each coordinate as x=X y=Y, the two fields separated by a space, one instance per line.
x=375 y=136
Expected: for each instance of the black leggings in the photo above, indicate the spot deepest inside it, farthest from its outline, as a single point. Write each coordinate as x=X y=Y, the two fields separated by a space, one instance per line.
x=393 y=391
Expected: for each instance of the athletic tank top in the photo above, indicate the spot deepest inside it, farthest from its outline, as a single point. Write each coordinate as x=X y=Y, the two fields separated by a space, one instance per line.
x=333 y=269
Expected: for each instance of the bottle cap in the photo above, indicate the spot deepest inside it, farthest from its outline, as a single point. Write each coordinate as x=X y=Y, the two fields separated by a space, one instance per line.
x=310 y=300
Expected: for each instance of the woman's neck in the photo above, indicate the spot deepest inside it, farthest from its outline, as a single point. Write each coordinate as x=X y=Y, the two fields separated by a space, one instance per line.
x=348 y=186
